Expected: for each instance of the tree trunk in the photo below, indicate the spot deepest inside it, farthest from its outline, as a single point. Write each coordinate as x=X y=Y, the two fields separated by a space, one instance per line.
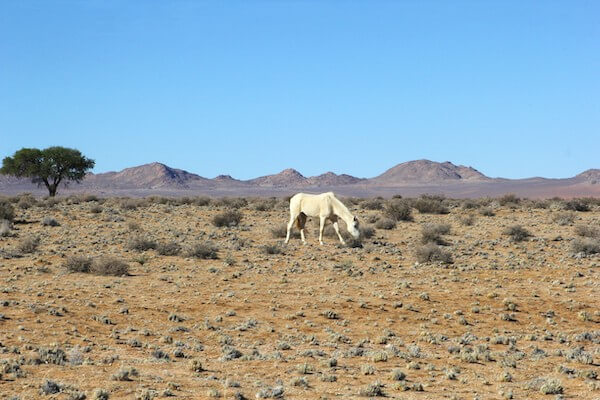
x=52 y=190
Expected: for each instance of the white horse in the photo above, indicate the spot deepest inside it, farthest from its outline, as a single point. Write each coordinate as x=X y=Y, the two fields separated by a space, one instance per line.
x=325 y=206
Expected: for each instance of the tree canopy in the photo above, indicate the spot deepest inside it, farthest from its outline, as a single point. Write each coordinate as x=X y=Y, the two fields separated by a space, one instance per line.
x=49 y=166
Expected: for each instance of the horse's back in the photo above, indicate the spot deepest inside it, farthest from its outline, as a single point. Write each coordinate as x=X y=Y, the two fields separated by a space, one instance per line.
x=312 y=204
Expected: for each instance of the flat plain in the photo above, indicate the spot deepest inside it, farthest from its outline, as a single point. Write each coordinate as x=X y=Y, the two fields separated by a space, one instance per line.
x=486 y=299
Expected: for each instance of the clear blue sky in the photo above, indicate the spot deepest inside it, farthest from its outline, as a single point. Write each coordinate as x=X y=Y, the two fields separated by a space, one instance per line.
x=249 y=88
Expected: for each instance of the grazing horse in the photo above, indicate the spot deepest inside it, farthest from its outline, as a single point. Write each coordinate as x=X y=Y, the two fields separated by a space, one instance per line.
x=325 y=206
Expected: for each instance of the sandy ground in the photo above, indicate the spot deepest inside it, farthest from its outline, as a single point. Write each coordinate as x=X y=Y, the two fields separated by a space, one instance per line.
x=314 y=322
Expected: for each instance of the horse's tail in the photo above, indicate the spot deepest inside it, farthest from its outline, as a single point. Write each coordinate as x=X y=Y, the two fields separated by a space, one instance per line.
x=300 y=220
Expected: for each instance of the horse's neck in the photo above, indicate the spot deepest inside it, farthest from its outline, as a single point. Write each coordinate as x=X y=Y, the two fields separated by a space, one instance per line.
x=340 y=210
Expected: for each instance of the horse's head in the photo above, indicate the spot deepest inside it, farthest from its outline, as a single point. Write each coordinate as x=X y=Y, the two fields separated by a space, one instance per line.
x=353 y=228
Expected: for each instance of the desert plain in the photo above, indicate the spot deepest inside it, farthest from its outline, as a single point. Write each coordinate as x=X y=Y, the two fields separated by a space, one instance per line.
x=466 y=299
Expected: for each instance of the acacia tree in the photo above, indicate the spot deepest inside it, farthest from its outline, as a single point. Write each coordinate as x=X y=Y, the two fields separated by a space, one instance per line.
x=50 y=166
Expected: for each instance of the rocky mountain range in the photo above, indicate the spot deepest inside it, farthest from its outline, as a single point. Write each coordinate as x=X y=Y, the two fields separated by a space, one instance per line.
x=408 y=178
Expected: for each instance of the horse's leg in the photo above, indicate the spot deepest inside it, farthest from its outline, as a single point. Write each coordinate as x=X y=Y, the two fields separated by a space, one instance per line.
x=337 y=230
x=321 y=226
x=301 y=223
x=290 y=224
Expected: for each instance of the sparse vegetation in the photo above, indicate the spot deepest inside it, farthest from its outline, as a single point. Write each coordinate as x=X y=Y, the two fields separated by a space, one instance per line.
x=398 y=210
x=517 y=233
x=385 y=223
x=432 y=233
x=509 y=200
x=109 y=266
x=78 y=264
x=29 y=244
x=577 y=205
x=207 y=251
x=564 y=218
x=227 y=219
x=168 y=249
x=141 y=243
x=7 y=211
x=431 y=252
x=427 y=204
x=438 y=301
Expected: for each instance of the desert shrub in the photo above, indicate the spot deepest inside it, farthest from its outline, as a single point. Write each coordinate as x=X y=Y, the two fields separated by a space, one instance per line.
x=551 y=386
x=50 y=387
x=587 y=231
x=109 y=266
x=281 y=231
x=372 y=204
x=470 y=204
x=78 y=264
x=517 y=233
x=272 y=249
x=141 y=243
x=467 y=220
x=131 y=204
x=509 y=199
x=50 y=202
x=586 y=245
x=28 y=244
x=372 y=390
x=202 y=201
x=430 y=252
x=206 y=251
x=432 y=233
x=564 y=218
x=157 y=200
x=168 y=249
x=385 y=223
x=366 y=231
x=125 y=374
x=49 y=221
x=227 y=218
x=487 y=212
x=95 y=209
x=430 y=205
x=539 y=204
x=265 y=205
x=7 y=211
x=398 y=210
x=231 y=202
x=5 y=227
x=577 y=205
x=26 y=201
x=101 y=394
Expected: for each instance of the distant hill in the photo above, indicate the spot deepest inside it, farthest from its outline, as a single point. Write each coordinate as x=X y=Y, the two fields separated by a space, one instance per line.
x=591 y=175
x=148 y=176
x=425 y=171
x=408 y=179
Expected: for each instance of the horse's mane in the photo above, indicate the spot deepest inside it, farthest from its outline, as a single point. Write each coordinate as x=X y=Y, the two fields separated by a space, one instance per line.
x=340 y=206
